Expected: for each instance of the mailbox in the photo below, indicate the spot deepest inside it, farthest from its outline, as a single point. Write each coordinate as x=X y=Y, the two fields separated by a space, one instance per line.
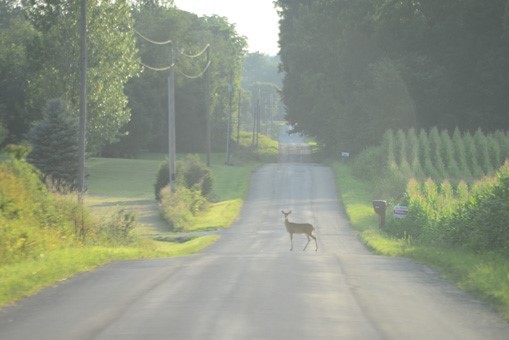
x=380 y=207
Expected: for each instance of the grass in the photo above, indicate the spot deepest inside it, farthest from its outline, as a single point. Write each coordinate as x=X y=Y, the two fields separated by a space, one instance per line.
x=117 y=180
x=29 y=277
x=127 y=183
x=483 y=275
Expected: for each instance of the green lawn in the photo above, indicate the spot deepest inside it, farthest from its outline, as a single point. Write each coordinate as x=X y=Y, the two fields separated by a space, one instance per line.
x=129 y=183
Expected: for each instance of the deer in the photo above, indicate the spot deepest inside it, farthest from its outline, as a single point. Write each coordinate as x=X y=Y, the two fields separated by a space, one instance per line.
x=299 y=228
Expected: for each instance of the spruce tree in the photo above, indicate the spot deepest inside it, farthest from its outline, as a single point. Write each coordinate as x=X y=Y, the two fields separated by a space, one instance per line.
x=54 y=142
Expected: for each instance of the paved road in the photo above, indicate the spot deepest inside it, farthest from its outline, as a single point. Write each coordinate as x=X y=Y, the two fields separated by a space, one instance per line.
x=250 y=286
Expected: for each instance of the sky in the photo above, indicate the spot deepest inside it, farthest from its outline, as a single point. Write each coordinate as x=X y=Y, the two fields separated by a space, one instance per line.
x=255 y=19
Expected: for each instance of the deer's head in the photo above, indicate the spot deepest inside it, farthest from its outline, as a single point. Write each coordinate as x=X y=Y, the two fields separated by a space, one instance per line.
x=286 y=213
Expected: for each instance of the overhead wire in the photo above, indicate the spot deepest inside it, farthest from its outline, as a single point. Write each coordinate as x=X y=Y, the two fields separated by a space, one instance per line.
x=196 y=76
x=196 y=55
x=153 y=41
x=160 y=69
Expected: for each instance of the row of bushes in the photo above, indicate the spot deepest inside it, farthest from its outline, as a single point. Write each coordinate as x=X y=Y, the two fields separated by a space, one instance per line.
x=34 y=219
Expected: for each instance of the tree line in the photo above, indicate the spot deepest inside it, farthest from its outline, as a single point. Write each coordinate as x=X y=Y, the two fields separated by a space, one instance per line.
x=353 y=69
x=127 y=103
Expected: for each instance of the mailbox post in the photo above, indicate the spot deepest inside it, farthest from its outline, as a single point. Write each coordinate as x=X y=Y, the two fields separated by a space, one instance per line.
x=380 y=207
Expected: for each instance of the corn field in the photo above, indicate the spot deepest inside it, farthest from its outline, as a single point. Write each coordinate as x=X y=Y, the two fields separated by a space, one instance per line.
x=439 y=155
x=456 y=186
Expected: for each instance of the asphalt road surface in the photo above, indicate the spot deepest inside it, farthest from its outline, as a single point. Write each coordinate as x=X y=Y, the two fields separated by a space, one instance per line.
x=250 y=286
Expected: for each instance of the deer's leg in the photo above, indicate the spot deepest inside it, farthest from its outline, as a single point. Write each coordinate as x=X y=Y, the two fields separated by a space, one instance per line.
x=291 y=241
x=316 y=243
x=307 y=243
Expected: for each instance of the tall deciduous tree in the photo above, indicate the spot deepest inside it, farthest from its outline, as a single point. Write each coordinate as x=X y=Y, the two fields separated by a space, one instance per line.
x=355 y=68
x=112 y=61
x=148 y=94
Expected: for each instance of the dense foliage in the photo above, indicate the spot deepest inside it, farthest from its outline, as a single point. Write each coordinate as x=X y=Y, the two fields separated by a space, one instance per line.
x=33 y=220
x=39 y=60
x=353 y=69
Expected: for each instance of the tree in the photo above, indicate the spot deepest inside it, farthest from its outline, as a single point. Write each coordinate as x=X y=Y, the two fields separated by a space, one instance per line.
x=352 y=69
x=148 y=98
x=112 y=61
x=54 y=142
x=15 y=37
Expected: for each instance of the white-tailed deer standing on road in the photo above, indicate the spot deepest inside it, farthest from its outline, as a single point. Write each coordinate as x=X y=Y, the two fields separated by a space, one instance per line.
x=299 y=228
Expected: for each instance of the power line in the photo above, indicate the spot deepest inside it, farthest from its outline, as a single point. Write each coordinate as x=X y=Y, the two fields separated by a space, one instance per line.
x=196 y=55
x=153 y=41
x=196 y=76
x=158 y=69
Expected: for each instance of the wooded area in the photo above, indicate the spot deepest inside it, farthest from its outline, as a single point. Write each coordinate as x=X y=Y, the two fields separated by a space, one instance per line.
x=354 y=69
x=127 y=103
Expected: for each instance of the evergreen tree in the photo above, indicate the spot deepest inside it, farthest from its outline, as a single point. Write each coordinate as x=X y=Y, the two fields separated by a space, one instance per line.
x=55 y=144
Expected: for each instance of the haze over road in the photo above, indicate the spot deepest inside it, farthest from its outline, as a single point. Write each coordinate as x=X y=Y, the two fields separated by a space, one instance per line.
x=250 y=286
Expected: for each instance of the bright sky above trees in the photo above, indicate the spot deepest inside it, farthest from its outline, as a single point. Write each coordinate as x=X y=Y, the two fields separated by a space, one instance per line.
x=255 y=19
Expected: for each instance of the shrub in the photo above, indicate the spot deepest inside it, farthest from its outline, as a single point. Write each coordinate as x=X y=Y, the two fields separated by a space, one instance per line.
x=179 y=207
x=370 y=164
x=190 y=172
x=196 y=173
x=162 y=178
x=116 y=230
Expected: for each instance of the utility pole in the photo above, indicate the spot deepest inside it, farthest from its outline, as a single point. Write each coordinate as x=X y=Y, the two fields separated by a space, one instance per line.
x=83 y=102
x=207 y=113
x=171 y=122
x=258 y=113
x=229 y=127
x=238 y=118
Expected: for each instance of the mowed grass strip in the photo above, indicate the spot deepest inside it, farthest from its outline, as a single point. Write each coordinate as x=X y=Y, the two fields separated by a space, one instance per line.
x=483 y=275
x=23 y=279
